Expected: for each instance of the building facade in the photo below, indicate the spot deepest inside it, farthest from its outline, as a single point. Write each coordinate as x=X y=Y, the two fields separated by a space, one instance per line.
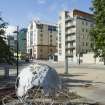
x=41 y=40
x=73 y=34
x=22 y=40
x=10 y=37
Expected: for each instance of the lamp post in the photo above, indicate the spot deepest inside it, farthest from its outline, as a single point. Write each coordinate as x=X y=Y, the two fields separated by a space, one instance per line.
x=17 y=47
x=66 y=57
x=66 y=65
x=17 y=51
x=79 y=50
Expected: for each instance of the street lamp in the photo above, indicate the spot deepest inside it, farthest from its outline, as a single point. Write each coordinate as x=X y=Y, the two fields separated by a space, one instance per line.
x=17 y=64
x=79 y=50
x=66 y=58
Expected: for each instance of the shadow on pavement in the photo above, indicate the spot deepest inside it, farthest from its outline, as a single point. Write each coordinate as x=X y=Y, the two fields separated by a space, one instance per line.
x=72 y=75
x=7 y=81
x=69 y=82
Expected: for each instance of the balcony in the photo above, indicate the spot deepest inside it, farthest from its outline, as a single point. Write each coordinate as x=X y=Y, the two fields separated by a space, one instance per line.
x=70 y=33
x=70 y=40
x=69 y=55
x=68 y=19
x=70 y=47
x=70 y=24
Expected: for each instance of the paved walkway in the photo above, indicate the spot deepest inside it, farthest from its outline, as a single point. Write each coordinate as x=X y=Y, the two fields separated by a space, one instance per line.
x=86 y=80
x=89 y=83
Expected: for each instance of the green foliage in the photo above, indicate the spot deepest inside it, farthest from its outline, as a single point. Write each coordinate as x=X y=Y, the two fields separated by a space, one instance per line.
x=98 y=32
x=6 y=55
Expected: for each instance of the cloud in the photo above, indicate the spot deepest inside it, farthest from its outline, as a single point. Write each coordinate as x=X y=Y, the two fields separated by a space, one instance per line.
x=73 y=1
x=41 y=1
x=60 y=5
x=32 y=16
x=52 y=7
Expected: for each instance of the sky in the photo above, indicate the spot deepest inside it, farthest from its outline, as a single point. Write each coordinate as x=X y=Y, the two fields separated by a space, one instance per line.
x=22 y=12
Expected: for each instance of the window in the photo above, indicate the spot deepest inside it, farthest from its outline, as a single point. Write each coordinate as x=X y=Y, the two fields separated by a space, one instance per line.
x=41 y=30
x=60 y=52
x=40 y=26
x=82 y=50
x=59 y=38
x=51 y=50
x=86 y=51
x=86 y=44
x=50 y=36
x=86 y=23
x=82 y=29
x=91 y=45
x=59 y=33
x=86 y=30
x=50 y=31
x=51 y=40
x=59 y=45
x=82 y=22
x=41 y=50
x=71 y=44
x=71 y=51
x=41 y=35
x=54 y=28
x=83 y=43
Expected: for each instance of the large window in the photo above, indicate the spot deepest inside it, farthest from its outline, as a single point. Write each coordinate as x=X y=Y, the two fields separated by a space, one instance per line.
x=52 y=28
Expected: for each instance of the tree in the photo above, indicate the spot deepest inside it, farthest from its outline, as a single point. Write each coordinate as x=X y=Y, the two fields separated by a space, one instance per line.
x=6 y=55
x=98 y=31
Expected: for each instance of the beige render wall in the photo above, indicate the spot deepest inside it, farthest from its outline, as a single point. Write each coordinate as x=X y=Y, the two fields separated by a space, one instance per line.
x=44 y=51
x=89 y=59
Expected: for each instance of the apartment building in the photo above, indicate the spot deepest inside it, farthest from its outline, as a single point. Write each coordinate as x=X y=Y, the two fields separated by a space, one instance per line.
x=73 y=34
x=41 y=40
